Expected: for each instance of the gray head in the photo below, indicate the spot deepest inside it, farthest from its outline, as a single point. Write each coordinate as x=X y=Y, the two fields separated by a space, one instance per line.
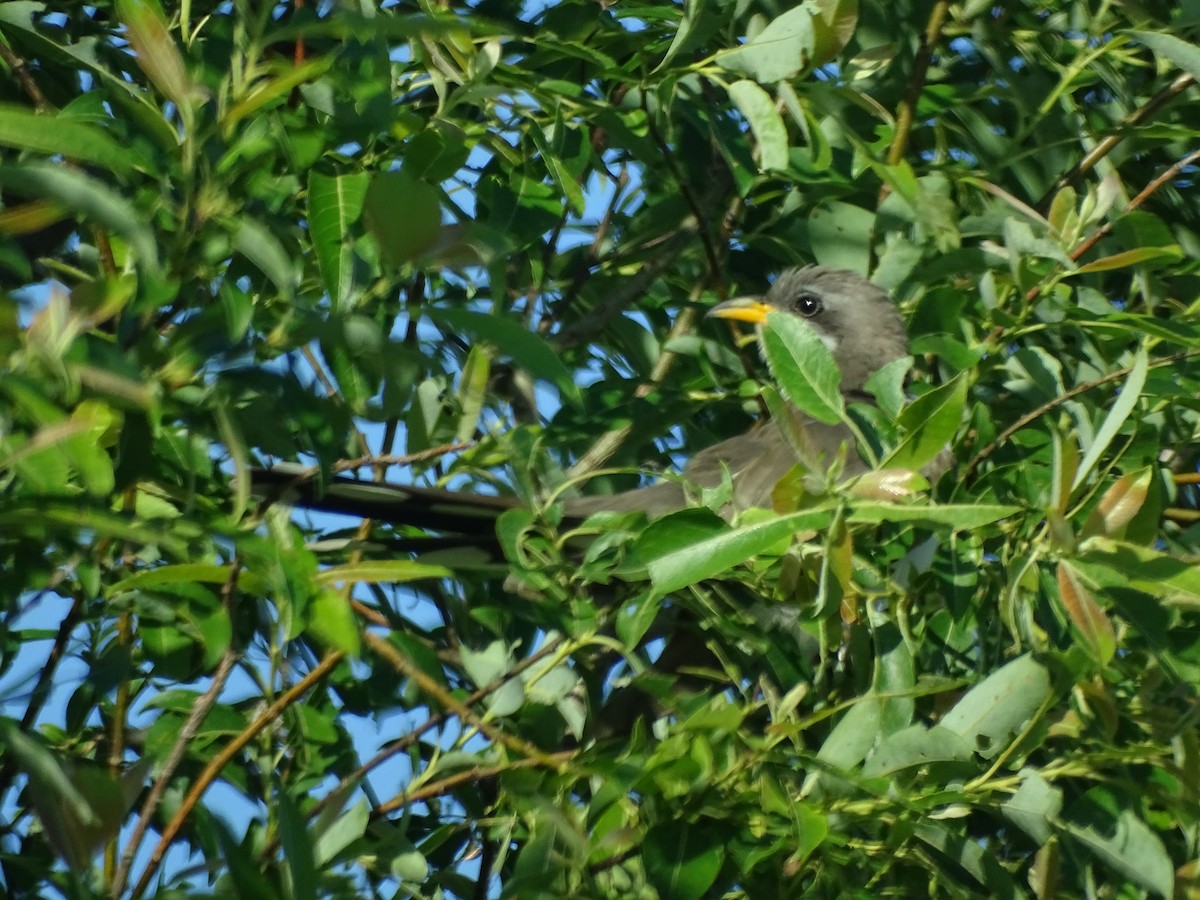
x=855 y=319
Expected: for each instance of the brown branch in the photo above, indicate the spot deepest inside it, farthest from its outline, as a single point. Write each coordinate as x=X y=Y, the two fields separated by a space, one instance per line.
x=331 y=391
x=224 y=758
x=443 y=697
x=116 y=749
x=1186 y=478
x=41 y=690
x=1096 y=236
x=436 y=788
x=388 y=459
x=1109 y=143
x=21 y=71
x=1063 y=398
x=195 y=719
x=700 y=210
x=584 y=268
x=433 y=721
x=907 y=113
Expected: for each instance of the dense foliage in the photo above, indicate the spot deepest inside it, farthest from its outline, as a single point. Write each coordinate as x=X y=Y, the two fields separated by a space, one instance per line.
x=471 y=244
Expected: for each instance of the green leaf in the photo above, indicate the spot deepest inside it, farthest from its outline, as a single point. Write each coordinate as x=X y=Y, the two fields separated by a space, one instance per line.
x=1127 y=399
x=713 y=556
x=803 y=367
x=930 y=423
x=567 y=183
x=1111 y=830
x=991 y=713
x=769 y=132
x=961 y=517
x=1180 y=52
x=472 y=391
x=1035 y=807
x=334 y=833
x=972 y=857
x=380 y=571
x=1116 y=564
x=259 y=245
x=635 y=617
x=403 y=214
x=335 y=203
x=841 y=236
x=1129 y=258
x=514 y=340
x=59 y=134
x=332 y=621
x=297 y=847
x=268 y=90
x=853 y=736
x=914 y=747
x=88 y=198
x=779 y=52
x=682 y=859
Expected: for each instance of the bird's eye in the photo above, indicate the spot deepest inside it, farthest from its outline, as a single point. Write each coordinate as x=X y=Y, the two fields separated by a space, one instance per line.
x=808 y=305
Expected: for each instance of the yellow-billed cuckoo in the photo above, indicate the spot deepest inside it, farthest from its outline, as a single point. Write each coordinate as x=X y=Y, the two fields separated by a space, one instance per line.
x=855 y=319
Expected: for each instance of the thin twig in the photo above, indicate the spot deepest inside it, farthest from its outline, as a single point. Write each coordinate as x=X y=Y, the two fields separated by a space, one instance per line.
x=402 y=744
x=1063 y=398
x=1096 y=236
x=437 y=788
x=21 y=70
x=195 y=719
x=224 y=758
x=332 y=392
x=584 y=269
x=1123 y=128
x=405 y=667
x=700 y=210
x=906 y=114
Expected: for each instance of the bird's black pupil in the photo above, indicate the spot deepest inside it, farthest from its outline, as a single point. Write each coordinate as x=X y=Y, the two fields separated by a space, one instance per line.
x=809 y=305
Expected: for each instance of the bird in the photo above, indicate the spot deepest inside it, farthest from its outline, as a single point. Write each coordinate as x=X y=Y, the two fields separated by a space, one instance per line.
x=855 y=319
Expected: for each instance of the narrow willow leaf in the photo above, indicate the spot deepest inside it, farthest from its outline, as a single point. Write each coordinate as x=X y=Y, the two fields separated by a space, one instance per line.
x=57 y=134
x=1180 y=52
x=1089 y=619
x=1129 y=258
x=156 y=51
x=1119 y=504
x=88 y=198
x=381 y=571
x=271 y=89
x=713 y=556
x=1130 y=391
x=472 y=391
x=962 y=517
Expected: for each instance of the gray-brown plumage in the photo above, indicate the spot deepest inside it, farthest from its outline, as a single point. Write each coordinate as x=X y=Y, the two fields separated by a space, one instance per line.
x=855 y=319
